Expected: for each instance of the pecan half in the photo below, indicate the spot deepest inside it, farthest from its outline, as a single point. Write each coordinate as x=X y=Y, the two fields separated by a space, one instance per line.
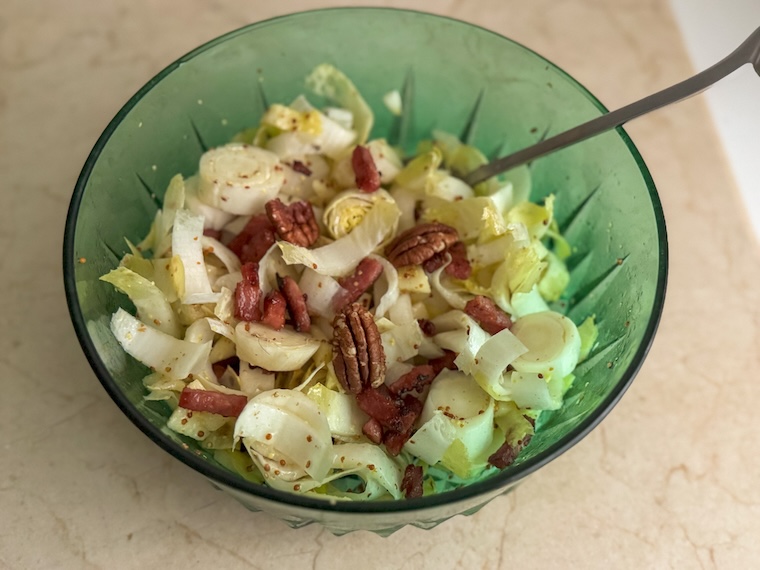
x=294 y=223
x=418 y=244
x=358 y=355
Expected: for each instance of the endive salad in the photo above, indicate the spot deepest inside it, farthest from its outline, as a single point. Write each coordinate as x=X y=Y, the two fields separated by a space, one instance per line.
x=331 y=318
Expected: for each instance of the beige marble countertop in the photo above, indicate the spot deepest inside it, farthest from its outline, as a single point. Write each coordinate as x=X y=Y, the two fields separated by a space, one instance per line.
x=669 y=479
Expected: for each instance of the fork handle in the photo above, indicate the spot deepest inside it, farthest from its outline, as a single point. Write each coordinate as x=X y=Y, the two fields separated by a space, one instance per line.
x=747 y=52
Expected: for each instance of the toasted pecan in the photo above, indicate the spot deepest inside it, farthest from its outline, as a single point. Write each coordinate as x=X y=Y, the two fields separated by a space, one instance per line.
x=294 y=223
x=418 y=244
x=358 y=355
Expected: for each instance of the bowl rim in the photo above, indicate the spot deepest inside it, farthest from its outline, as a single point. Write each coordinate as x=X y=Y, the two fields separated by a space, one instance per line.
x=484 y=488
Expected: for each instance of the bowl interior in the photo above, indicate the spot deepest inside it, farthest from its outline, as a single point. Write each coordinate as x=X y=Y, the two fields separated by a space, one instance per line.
x=497 y=94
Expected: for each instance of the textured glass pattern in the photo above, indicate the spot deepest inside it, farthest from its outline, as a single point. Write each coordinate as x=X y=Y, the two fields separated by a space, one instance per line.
x=453 y=76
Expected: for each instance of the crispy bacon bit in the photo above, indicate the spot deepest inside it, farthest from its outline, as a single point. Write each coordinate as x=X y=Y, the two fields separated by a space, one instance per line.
x=227 y=405
x=248 y=294
x=393 y=412
x=459 y=268
x=354 y=285
x=410 y=411
x=507 y=453
x=301 y=168
x=414 y=381
x=212 y=233
x=365 y=170
x=257 y=246
x=427 y=327
x=395 y=415
x=250 y=272
x=296 y=302
x=394 y=441
x=294 y=223
x=411 y=484
x=254 y=240
x=487 y=314
x=445 y=361
x=379 y=403
x=274 y=310
x=373 y=430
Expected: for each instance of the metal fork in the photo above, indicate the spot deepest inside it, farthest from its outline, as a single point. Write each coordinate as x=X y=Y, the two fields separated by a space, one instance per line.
x=747 y=52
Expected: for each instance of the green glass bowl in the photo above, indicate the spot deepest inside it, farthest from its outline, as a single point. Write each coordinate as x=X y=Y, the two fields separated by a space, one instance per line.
x=454 y=76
